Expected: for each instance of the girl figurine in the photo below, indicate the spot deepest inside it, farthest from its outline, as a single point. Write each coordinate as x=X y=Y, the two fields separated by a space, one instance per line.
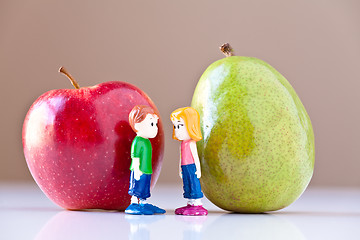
x=186 y=123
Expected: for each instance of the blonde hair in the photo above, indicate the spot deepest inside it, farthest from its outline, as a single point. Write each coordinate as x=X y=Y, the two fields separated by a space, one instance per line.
x=192 y=121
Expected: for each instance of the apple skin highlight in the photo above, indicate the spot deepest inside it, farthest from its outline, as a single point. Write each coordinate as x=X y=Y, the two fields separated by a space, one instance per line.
x=77 y=145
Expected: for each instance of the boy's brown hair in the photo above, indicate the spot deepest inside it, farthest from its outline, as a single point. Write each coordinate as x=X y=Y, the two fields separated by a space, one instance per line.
x=138 y=114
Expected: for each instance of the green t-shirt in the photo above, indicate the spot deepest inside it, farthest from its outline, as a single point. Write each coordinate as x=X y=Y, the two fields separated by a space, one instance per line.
x=141 y=148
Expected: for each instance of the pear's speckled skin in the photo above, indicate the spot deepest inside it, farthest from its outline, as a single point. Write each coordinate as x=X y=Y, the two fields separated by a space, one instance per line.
x=257 y=152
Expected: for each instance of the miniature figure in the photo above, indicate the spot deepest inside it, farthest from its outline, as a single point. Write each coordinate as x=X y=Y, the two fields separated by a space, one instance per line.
x=186 y=123
x=143 y=120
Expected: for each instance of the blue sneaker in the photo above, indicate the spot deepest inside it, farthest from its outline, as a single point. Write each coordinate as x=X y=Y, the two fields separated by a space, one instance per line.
x=137 y=209
x=153 y=208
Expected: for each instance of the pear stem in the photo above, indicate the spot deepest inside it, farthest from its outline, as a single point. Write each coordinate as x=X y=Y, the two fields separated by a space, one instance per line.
x=227 y=50
x=72 y=80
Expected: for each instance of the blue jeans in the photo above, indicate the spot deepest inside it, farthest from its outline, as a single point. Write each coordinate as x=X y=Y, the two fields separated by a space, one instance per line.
x=140 y=188
x=192 y=187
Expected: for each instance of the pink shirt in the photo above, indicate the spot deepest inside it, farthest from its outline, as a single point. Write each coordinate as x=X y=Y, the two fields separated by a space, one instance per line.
x=186 y=155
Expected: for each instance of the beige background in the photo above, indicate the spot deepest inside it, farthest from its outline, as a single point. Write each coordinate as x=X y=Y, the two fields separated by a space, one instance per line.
x=164 y=46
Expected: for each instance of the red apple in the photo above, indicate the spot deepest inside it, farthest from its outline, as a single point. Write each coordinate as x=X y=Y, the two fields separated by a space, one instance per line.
x=77 y=144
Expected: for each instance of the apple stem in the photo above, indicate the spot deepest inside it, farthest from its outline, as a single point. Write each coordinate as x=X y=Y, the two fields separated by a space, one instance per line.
x=72 y=80
x=227 y=50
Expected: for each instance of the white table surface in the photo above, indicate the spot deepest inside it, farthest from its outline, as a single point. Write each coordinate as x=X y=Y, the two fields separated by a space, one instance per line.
x=331 y=213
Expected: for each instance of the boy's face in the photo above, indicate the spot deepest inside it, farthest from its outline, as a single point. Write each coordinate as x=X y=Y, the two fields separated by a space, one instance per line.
x=181 y=132
x=148 y=127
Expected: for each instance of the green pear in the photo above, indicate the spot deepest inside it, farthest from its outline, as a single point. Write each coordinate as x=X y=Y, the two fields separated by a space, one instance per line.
x=257 y=152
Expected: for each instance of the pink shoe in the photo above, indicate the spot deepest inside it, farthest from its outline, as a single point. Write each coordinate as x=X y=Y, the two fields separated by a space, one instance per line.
x=195 y=211
x=179 y=211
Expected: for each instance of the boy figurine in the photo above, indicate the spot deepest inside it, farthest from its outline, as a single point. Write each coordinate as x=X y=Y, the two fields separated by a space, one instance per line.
x=143 y=120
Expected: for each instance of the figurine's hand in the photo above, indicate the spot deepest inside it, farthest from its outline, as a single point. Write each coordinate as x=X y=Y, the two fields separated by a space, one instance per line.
x=198 y=174
x=180 y=174
x=137 y=174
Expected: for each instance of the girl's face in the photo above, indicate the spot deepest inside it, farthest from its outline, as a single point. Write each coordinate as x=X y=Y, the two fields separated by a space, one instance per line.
x=181 y=132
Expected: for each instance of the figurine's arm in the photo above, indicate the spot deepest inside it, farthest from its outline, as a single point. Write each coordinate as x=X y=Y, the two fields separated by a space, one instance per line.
x=180 y=172
x=136 y=167
x=196 y=158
